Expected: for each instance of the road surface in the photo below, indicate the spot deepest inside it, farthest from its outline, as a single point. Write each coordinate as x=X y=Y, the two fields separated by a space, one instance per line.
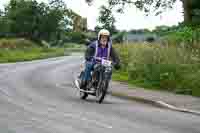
x=38 y=97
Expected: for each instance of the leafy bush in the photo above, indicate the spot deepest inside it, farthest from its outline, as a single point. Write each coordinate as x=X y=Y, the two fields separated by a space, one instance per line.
x=189 y=36
x=76 y=37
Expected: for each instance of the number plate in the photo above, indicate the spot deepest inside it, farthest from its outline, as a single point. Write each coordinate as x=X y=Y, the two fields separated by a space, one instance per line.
x=106 y=62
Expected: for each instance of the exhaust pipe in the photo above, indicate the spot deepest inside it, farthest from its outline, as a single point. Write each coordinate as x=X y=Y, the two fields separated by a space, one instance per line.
x=91 y=92
x=76 y=82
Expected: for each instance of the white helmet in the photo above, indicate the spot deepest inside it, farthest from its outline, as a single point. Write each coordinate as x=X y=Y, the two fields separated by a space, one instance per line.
x=103 y=32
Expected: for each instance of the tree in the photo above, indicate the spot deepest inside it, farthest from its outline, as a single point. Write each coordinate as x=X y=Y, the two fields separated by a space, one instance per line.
x=106 y=19
x=156 y=6
x=1 y=13
x=58 y=4
x=97 y=29
x=4 y=25
x=195 y=13
x=36 y=21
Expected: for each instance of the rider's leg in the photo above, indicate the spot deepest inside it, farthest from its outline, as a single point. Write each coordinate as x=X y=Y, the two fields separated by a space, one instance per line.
x=87 y=74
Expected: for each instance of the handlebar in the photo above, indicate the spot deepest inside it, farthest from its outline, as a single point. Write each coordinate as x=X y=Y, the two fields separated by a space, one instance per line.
x=99 y=59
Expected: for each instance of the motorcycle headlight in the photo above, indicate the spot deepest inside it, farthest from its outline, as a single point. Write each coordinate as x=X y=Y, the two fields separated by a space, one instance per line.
x=82 y=67
x=108 y=69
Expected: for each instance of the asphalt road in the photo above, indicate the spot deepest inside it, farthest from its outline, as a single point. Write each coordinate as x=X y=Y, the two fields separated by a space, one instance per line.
x=38 y=97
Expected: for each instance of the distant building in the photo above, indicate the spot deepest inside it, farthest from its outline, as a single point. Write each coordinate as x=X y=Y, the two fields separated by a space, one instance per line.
x=139 y=37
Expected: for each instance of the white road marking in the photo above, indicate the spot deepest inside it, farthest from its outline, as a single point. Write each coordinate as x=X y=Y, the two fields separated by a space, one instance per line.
x=4 y=92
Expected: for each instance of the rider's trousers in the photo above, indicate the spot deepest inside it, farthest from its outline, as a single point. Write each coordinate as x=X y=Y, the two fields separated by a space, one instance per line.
x=88 y=69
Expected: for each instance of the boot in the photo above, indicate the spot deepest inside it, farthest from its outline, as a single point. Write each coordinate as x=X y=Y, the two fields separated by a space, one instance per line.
x=83 y=84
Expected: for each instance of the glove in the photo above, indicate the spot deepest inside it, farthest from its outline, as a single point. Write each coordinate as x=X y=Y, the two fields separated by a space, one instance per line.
x=117 y=66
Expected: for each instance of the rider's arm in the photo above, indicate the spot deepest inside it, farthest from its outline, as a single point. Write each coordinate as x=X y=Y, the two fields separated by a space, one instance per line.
x=115 y=57
x=89 y=53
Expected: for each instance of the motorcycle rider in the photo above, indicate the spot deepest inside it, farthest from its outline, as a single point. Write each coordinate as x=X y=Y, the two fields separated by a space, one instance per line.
x=102 y=48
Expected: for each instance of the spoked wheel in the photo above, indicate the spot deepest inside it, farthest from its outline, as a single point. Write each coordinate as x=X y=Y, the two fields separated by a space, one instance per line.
x=101 y=91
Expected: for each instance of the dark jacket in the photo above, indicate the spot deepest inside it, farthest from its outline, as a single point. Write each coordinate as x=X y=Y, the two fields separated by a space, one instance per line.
x=90 y=52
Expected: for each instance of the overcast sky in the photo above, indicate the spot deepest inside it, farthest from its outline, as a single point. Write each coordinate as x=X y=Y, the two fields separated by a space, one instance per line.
x=131 y=19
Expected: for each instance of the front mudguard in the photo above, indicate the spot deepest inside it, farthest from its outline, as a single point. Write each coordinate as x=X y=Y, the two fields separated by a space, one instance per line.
x=108 y=74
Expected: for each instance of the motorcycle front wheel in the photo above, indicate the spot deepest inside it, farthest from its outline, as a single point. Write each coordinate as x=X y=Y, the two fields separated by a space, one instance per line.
x=101 y=91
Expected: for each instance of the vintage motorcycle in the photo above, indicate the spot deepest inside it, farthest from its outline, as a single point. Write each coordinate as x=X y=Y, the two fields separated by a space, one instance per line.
x=99 y=83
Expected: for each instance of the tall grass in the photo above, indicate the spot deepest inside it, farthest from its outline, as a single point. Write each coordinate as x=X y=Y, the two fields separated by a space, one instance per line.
x=14 y=43
x=122 y=75
x=168 y=68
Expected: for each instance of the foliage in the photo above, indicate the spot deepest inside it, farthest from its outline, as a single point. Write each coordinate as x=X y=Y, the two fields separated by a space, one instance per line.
x=145 y=5
x=107 y=19
x=76 y=37
x=191 y=7
x=35 y=21
x=169 y=68
x=139 y=31
x=118 y=38
x=186 y=36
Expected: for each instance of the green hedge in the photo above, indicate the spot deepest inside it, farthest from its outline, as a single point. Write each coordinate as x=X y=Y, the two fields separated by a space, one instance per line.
x=76 y=37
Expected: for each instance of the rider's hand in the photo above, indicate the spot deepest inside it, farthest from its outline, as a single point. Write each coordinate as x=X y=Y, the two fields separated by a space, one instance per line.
x=117 y=66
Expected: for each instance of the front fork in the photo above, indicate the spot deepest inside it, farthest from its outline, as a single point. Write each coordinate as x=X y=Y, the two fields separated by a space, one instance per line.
x=106 y=77
x=108 y=73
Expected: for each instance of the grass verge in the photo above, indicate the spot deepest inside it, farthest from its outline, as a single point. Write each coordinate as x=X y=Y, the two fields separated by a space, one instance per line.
x=165 y=68
x=7 y=55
